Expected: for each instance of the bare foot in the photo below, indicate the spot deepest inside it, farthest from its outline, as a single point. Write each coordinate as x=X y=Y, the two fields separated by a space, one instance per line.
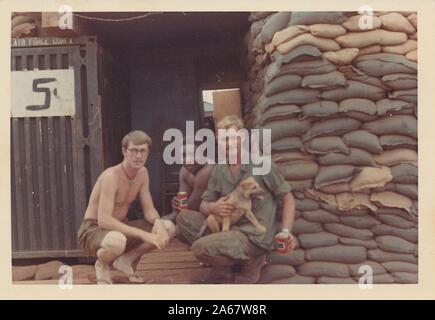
x=102 y=271
x=126 y=267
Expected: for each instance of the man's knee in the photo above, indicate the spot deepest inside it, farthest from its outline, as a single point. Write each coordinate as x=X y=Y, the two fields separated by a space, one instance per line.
x=114 y=242
x=170 y=228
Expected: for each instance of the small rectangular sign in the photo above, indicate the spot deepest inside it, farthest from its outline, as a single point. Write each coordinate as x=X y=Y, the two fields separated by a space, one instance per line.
x=42 y=93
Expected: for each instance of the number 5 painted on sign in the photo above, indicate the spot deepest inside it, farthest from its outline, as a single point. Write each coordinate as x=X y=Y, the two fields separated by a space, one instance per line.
x=42 y=93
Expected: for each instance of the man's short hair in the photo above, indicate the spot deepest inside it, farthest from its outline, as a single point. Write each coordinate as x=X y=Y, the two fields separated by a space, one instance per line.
x=230 y=121
x=136 y=137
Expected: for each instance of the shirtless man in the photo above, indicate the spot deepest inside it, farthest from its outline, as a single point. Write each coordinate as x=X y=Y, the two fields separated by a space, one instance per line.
x=193 y=179
x=105 y=233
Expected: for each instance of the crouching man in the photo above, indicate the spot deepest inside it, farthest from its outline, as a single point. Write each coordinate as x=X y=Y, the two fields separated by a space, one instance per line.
x=237 y=255
x=105 y=233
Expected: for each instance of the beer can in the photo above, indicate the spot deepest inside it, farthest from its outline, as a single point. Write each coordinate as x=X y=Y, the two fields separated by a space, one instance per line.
x=183 y=200
x=282 y=242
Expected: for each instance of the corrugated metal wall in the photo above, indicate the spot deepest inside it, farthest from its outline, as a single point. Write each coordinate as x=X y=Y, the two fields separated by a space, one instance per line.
x=55 y=160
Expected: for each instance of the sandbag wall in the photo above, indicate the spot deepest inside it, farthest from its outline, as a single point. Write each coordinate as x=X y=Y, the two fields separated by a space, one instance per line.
x=25 y=24
x=341 y=102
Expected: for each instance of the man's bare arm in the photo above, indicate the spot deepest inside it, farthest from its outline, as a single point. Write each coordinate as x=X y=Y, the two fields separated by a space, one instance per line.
x=183 y=180
x=149 y=211
x=106 y=206
x=288 y=212
x=201 y=183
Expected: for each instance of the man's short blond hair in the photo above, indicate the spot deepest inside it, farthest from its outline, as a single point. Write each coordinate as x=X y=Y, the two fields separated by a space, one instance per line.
x=136 y=137
x=230 y=121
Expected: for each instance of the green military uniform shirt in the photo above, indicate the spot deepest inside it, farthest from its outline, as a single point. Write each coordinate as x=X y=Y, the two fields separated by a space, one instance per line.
x=222 y=182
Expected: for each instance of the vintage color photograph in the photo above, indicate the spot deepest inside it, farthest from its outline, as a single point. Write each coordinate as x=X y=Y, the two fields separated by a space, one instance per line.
x=97 y=199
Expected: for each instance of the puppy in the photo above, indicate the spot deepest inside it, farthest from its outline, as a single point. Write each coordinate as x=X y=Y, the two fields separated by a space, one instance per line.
x=241 y=198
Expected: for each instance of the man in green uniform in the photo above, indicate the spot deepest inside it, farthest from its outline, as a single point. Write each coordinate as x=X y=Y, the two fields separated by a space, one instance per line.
x=243 y=246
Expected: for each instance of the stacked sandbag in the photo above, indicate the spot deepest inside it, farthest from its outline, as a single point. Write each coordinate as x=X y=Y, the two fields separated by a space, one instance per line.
x=341 y=104
x=25 y=24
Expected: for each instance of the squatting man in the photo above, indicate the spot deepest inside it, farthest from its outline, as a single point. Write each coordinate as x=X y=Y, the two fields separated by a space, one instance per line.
x=105 y=232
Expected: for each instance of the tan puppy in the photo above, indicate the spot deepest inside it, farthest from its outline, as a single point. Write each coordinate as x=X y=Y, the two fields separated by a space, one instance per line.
x=241 y=198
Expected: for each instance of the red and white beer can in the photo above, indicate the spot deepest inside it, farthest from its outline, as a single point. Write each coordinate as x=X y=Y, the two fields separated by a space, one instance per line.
x=282 y=242
x=183 y=200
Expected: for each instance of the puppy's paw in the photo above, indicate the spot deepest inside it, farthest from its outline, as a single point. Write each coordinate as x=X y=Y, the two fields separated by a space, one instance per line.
x=261 y=229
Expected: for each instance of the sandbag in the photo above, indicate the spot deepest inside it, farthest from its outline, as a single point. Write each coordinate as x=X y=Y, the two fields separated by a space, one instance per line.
x=348 y=232
x=413 y=19
x=333 y=280
x=283 y=83
x=380 y=64
x=320 y=268
x=395 y=244
x=333 y=127
x=369 y=244
x=353 y=212
x=278 y=112
x=303 y=226
x=395 y=221
x=296 y=258
x=288 y=34
x=369 y=38
x=325 y=145
x=347 y=201
x=369 y=177
x=377 y=269
x=400 y=81
x=21 y=19
x=353 y=23
x=370 y=49
x=359 y=105
x=363 y=140
x=321 y=197
x=316 y=240
x=337 y=253
x=296 y=279
x=405 y=277
x=334 y=174
x=306 y=205
x=396 y=22
x=398 y=124
x=302 y=170
x=259 y=15
x=316 y=17
x=295 y=96
x=291 y=156
x=354 y=89
x=353 y=73
x=320 y=216
x=360 y=116
x=409 y=234
x=303 y=68
x=22 y=29
x=391 y=199
x=388 y=106
x=405 y=173
x=412 y=55
x=357 y=157
x=323 y=44
x=287 y=144
x=273 y=272
x=301 y=185
x=409 y=95
x=277 y=22
x=398 y=213
x=342 y=57
x=385 y=256
x=403 y=48
x=286 y=128
x=413 y=37
x=408 y=190
x=256 y=27
x=362 y=222
x=325 y=81
x=326 y=30
x=400 y=266
x=336 y=188
x=397 y=156
x=319 y=109
x=308 y=54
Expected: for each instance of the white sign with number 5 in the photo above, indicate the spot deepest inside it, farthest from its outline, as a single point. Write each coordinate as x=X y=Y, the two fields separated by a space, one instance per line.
x=42 y=93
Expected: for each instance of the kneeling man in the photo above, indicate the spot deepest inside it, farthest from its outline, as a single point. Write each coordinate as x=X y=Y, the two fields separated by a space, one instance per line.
x=105 y=233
